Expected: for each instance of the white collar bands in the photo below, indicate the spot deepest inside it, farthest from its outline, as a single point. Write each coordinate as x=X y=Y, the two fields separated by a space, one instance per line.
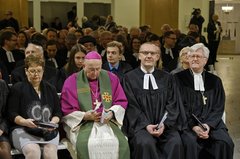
x=198 y=82
x=146 y=79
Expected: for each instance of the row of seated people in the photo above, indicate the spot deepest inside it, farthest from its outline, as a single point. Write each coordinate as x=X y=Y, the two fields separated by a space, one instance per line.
x=169 y=57
x=95 y=104
x=57 y=48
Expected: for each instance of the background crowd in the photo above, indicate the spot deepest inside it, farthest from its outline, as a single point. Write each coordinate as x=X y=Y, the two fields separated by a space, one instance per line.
x=61 y=51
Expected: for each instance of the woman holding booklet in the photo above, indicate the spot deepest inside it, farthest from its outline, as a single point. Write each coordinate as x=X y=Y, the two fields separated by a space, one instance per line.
x=34 y=110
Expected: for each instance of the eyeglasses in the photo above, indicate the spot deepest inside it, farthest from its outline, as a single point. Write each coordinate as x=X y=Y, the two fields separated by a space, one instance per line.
x=145 y=53
x=33 y=71
x=196 y=56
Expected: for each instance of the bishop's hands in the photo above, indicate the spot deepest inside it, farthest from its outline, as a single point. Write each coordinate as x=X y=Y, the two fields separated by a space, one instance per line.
x=155 y=130
x=104 y=117
x=200 y=132
x=107 y=115
x=92 y=116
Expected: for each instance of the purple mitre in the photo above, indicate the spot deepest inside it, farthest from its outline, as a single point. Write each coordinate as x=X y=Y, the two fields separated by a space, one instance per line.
x=93 y=55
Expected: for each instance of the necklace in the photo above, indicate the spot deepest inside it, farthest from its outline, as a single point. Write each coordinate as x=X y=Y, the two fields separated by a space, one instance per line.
x=95 y=95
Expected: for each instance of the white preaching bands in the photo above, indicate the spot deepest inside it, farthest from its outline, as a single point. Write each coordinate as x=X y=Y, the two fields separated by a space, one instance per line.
x=198 y=82
x=169 y=51
x=10 y=56
x=148 y=76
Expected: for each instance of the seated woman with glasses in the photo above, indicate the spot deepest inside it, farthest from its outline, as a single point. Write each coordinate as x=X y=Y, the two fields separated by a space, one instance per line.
x=31 y=102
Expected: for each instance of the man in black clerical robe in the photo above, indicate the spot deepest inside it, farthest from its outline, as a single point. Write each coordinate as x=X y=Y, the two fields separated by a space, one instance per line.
x=203 y=95
x=150 y=94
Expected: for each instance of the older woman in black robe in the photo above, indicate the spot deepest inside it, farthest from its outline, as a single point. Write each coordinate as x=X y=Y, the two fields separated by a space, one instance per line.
x=203 y=96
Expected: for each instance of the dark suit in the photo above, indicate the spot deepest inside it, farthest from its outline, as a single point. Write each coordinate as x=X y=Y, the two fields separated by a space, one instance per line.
x=122 y=69
x=213 y=40
x=17 y=55
x=168 y=62
x=12 y=22
x=61 y=57
x=4 y=72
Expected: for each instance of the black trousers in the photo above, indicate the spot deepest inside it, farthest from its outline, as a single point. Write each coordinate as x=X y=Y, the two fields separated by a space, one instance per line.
x=219 y=145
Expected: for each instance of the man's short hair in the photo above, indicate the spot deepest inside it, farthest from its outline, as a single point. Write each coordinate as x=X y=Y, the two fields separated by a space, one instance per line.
x=39 y=47
x=6 y=35
x=116 y=44
x=168 y=33
x=150 y=43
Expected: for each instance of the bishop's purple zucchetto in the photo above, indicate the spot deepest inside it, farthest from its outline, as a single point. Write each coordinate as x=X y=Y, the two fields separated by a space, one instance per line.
x=93 y=55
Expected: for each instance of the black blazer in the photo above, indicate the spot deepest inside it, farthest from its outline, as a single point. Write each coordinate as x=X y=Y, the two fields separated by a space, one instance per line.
x=122 y=69
x=210 y=30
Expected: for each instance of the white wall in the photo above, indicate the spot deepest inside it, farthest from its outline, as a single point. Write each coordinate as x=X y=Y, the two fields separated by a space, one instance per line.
x=230 y=22
x=185 y=10
x=126 y=12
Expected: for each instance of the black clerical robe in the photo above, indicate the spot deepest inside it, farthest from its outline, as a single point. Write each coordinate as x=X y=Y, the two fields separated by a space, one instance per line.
x=148 y=107
x=219 y=145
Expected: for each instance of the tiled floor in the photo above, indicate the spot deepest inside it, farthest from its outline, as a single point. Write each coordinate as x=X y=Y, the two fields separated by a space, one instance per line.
x=228 y=68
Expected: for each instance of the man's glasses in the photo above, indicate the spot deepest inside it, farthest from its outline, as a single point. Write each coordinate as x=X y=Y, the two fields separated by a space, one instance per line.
x=145 y=53
x=196 y=57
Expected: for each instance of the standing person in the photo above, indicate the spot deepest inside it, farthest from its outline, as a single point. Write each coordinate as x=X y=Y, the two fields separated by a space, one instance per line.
x=31 y=101
x=214 y=31
x=147 y=104
x=5 y=147
x=197 y=19
x=110 y=24
x=94 y=103
x=203 y=95
x=71 y=15
x=9 y=21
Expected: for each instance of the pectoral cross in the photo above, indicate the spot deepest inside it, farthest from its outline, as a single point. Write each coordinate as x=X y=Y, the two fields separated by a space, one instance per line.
x=97 y=104
x=204 y=99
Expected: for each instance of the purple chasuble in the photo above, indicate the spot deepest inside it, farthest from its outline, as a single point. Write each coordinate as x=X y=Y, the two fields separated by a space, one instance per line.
x=69 y=98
